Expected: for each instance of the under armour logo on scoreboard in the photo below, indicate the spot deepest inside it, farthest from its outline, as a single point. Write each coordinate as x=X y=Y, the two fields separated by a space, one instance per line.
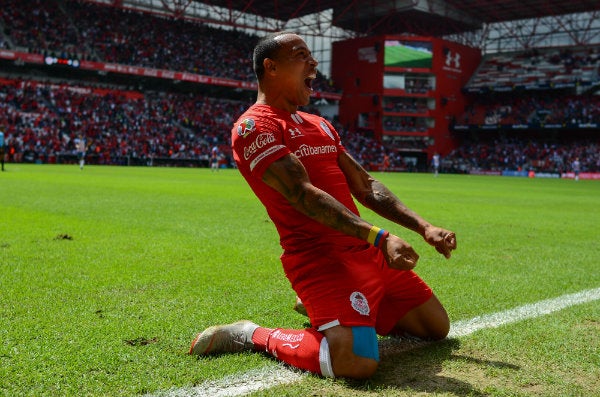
x=453 y=59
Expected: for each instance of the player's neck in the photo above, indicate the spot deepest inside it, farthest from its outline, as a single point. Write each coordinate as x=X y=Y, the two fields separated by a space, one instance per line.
x=263 y=99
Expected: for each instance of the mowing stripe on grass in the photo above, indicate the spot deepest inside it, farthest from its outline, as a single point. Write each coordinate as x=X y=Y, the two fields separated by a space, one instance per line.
x=259 y=379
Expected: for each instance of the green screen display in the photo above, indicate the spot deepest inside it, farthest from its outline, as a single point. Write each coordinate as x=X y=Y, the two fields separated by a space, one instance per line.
x=408 y=54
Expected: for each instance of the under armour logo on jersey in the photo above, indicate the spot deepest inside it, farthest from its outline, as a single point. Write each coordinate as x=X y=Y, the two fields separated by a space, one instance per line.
x=294 y=133
x=296 y=117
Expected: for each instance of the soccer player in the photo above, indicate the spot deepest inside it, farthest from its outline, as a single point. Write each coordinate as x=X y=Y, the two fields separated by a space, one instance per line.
x=214 y=159
x=576 y=165
x=80 y=148
x=435 y=161
x=355 y=279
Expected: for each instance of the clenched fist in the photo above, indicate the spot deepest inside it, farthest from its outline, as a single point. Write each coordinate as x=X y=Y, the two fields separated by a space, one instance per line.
x=444 y=241
x=398 y=253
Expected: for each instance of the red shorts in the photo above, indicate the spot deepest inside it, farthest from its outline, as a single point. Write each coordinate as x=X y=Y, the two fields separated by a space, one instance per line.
x=353 y=287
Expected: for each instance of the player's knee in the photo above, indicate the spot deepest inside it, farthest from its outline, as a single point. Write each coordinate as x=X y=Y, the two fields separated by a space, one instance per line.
x=355 y=351
x=434 y=329
x=365 y=368
x=440 y=330
x=361 y=368
x=439 y=326
x=365 y=353
x=434 y=321
x=349 y=365
x=366 y=349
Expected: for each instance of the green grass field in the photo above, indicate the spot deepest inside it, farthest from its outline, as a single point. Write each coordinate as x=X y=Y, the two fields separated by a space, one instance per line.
x=107 y=274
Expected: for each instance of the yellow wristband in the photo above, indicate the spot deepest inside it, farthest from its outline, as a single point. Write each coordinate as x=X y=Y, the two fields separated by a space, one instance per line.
x=373 y=234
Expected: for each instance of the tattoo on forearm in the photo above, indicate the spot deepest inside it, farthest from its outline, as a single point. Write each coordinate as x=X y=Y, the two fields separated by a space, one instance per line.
x=386 y=204
x=313 y=202
x=325 y=209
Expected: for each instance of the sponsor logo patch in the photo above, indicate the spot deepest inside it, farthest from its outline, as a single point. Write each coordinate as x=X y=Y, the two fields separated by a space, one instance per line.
x=265 y=154
x=261 y=141
x=246 y=127
x=305 y=150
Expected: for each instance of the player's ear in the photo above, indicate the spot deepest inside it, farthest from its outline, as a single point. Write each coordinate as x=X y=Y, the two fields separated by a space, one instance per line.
x=269 y=65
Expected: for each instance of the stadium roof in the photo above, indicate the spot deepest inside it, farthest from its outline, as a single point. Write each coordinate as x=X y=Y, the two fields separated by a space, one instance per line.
x=430 y=17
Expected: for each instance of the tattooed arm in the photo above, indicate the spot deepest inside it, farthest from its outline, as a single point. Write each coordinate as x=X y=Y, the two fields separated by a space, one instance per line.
x=288 y=176
x=374 y=195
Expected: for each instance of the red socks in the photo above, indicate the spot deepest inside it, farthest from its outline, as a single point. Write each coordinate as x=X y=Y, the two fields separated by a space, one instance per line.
x=306 y=349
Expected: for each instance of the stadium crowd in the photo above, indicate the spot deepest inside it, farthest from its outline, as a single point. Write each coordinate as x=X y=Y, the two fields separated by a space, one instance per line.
x=538 y=68
x=77 y=29
x=522 y=155
x=535 y=110
x=42 y=120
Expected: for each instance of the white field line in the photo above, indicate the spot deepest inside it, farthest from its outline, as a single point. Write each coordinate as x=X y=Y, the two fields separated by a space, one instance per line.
x=532 y=310
x=264 y=378
x=238 y=384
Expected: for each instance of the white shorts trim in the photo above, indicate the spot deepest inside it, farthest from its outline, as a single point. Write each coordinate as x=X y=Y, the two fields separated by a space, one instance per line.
x=328 y=325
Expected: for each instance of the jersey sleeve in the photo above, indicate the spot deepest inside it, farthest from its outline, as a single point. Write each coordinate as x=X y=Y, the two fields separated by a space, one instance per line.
x=257 y=142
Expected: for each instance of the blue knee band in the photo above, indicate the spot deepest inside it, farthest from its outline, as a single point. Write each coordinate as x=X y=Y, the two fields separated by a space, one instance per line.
x=365 y=342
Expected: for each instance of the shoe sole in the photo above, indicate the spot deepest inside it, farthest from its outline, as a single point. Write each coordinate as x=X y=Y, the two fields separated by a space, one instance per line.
x=196 y=341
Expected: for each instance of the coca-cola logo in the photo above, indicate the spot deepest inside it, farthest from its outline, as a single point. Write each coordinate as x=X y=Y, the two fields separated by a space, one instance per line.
x=261 y=141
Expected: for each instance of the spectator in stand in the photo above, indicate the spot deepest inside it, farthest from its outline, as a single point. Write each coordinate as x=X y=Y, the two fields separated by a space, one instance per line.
x=2 y=149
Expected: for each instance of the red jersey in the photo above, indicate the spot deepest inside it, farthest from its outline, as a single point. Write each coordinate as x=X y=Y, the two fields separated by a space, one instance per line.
x=264 y=134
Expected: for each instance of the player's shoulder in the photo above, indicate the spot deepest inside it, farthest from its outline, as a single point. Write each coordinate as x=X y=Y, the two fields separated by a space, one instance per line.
x=322 y=122
x=316 y=119
x=259 y=111
x=310 y=116
x=258 y=118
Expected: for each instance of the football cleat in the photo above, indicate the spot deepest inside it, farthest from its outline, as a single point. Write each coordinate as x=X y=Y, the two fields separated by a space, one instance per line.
x=230 y=338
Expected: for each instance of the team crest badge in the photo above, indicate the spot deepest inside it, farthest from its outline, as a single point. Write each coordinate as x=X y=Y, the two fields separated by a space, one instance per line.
x=246 y=127
x=359 y=303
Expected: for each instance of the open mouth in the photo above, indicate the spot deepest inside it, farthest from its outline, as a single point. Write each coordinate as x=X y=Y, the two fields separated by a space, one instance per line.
x=308 y=82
